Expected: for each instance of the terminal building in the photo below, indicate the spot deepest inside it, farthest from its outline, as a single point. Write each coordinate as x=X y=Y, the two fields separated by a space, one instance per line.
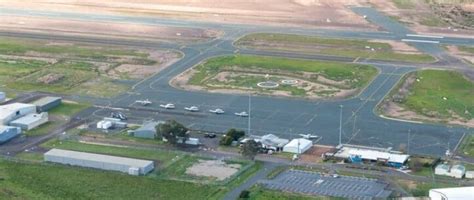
x=358 y=154
x=14 y=111
x=30 y=121
x=98 y=161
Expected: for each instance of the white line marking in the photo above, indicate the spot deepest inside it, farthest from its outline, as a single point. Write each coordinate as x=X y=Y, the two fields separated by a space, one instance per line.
x=425 y=36
x=421 y=41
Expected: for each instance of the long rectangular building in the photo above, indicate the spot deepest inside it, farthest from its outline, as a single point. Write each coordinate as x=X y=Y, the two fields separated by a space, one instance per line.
x=126 y=165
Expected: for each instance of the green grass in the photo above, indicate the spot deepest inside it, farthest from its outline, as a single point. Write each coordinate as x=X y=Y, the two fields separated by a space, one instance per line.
x=331 y=46
x=404 y=4
x=260 y=193
x=433 y=20
x=10 y=46
x=44 y=128
x=164 y=157
x=422 y=189
x=426 y=96
x=31 y=156
x=467 y=146
x=359 y=75
x=466 y=49
x=49 y=181
x=68 y=109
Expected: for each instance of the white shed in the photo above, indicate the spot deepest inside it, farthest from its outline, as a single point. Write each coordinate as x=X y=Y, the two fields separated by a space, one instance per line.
x=457 y=171
x=442 y=169
x=469 y=174
x=126 y=165
x=299 y=145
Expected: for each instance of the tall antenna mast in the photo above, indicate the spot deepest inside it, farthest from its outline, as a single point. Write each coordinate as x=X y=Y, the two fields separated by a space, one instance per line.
x=340 y=125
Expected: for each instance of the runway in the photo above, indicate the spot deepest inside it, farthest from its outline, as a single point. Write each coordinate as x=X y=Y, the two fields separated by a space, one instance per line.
x=285 y=117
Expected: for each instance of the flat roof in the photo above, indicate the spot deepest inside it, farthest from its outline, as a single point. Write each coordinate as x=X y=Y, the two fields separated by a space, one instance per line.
x=456 y=192
x=30 y=118
x=6 y=110
x=370 y=154
x=45 y=100
x=4 y=128
x=99 y=158
x=302 y=143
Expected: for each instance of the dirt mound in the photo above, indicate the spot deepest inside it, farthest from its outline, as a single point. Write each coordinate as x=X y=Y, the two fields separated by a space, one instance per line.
x=50 y=78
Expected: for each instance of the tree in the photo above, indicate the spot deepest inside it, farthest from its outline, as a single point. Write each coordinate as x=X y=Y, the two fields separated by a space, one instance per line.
x=226 y=141
x=250 y=149
x=415 y=165
x=235 y=134
x=172 y=131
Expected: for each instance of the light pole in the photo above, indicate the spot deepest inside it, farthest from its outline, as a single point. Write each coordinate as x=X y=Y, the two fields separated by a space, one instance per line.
x=340 y=124
x=249 y=114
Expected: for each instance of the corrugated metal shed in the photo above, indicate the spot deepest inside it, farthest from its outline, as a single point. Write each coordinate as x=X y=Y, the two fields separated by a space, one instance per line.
x=147 y=130
x=99 y=161
x=14 y=111
x=30 y=121
x=47 y=103
x=8 y=132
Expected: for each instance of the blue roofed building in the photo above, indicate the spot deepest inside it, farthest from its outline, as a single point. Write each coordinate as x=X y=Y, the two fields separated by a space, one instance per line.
x=8 y=132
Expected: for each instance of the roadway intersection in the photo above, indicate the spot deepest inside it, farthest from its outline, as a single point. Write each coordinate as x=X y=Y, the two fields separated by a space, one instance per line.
x=280 y=116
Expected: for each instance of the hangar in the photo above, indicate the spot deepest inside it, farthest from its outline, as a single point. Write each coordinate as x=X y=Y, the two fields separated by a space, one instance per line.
x=14 y=111
x=30 y=121
x=47 y=103
x=8 y=132
x=126 y=165
x=147 y=130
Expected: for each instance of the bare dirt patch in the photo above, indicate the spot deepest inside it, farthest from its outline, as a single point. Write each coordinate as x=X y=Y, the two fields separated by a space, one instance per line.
x=50 y=78
x=327 y=13
x=313 y=155
x=107 y=28
x=213 y=168
x=435 y=17
x=399 y=47
x=163 y=59
x=454 y=50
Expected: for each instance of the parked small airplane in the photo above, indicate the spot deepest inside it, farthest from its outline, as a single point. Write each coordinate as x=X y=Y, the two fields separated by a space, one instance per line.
x=242 y=114
x=167 y=106
x=145 y=102
x=118 y=115
x=217 y=111
x=192 y=108
x=309 y=136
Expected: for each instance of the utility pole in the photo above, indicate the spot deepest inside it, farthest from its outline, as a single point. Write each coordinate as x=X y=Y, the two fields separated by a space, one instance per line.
x=249 y=114
x=408 y=142
x=340 y=125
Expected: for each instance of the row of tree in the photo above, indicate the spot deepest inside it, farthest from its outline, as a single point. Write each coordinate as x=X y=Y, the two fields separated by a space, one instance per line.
x=172 y=132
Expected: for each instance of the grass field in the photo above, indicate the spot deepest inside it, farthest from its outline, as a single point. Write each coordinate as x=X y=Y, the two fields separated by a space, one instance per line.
x=466 y=49
x=359 y=75
x=467 y=146
x=48 y=181
x=442 y=94
x=329 y=46
x=31 y=65
x=68 y=109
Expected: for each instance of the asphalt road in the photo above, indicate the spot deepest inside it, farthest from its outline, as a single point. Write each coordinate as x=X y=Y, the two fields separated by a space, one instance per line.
x=285 y=117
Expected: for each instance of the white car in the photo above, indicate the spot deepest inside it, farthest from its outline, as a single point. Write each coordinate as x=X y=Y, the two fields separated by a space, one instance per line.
x=143 y=102
x=217 y=111
x=167 y=106
x=242 y=114
x=192 y=108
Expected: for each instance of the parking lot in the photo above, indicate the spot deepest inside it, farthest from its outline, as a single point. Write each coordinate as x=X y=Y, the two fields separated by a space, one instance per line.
x=314 y=183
